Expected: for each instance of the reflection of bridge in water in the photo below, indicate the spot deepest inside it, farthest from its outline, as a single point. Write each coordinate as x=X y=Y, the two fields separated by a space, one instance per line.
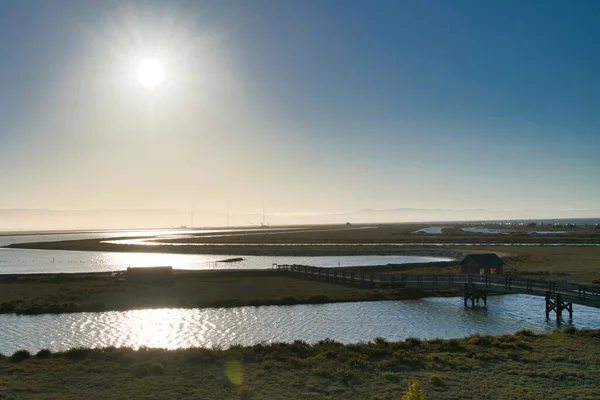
x=560 y=296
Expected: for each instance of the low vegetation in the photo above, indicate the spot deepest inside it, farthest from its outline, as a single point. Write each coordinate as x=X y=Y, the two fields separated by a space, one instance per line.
x=61 y=293
x=558 y=365
x=575 y=264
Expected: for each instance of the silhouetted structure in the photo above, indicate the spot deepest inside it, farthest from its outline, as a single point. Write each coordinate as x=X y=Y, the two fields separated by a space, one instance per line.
x=488 y=263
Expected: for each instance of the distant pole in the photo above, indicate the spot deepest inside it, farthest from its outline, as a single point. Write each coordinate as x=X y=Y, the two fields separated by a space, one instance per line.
x=228 y=215
x=263 y=221
x=192 y=217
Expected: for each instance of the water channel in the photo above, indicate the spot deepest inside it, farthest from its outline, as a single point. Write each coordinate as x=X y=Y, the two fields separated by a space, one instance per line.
x=345 y=322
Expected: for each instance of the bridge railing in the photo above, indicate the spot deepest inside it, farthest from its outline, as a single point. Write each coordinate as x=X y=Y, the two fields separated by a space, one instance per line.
x=503 y=283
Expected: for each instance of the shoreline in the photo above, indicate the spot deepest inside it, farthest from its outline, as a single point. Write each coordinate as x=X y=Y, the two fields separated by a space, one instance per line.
x=96 y=245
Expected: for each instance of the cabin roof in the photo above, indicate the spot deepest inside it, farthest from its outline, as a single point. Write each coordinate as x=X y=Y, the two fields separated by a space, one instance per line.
x=485 y=259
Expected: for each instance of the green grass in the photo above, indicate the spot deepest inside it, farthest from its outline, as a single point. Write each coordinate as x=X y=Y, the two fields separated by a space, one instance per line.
x=559 y=365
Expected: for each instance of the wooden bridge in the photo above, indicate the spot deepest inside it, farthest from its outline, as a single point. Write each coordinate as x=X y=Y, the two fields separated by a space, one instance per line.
x=560 y=296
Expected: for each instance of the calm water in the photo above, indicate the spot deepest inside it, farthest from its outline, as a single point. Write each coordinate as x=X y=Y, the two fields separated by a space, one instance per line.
x=485 y=230
x=345 y=322
x=21 y=261
x=433 y=230
x=13 y=261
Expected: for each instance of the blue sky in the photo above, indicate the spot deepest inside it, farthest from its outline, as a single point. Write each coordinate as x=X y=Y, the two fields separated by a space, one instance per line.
x=310 y=106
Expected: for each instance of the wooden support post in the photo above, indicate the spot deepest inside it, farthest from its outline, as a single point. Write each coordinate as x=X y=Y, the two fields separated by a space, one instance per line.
x=555 y=303
x=558 y=308
x=549 y=305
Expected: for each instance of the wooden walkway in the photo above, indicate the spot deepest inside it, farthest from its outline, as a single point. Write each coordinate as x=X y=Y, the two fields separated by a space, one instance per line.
x=559 y=295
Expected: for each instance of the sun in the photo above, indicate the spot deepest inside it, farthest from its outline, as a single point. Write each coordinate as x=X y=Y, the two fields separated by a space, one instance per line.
x=150 y=72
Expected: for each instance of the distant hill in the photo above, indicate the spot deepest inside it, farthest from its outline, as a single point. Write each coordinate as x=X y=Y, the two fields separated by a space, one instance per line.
x=40 y=219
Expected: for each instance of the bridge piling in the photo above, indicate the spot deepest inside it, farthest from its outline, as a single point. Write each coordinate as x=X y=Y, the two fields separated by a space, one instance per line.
x=555 y=303
x=471 y=292
x=559 y=296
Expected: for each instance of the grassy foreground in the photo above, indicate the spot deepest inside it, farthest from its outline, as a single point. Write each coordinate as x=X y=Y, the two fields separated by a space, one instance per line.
x=559 y=365
x=56 y=293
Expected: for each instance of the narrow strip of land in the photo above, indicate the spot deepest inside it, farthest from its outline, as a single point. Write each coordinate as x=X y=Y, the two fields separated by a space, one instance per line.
x=59 y=293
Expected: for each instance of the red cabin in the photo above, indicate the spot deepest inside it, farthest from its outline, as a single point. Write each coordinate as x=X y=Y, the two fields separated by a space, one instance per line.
x=484 y=264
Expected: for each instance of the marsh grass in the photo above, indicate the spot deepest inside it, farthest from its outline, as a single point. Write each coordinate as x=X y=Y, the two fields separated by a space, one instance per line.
x=558 y=365
x=68 y=293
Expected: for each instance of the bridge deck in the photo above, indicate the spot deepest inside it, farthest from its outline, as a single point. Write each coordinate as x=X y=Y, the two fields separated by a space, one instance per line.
x=568 y=292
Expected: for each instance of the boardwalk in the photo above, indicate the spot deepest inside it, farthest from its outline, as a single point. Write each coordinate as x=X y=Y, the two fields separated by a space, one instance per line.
x=559 y=295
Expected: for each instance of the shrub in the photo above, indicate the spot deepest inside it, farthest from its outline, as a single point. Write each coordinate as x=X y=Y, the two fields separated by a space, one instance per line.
x=200 y=356
x=413 y=342
x=77 y=353
x=141 y=371
x=299 y=347
x=390 y=376
x=380 y=341
x=44 y=353
x=414 y=392
x=245 y=392
x=570 y=330
x=157 y=368
x=345 y=373
x=525 y=332
x=436 y=380
x=19 y=356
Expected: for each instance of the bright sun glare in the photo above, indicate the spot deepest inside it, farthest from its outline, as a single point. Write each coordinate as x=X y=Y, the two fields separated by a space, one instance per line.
x=150 y=72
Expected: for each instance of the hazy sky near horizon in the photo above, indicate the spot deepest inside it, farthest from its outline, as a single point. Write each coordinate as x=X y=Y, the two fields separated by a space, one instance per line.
x=309 y=106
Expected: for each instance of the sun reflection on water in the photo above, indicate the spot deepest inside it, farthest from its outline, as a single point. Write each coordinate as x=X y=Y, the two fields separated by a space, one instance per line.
x=178 y=261
x=156 y=328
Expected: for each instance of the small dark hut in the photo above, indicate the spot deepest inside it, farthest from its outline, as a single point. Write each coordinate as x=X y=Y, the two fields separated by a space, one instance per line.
x=487 y=263
x=150 y=274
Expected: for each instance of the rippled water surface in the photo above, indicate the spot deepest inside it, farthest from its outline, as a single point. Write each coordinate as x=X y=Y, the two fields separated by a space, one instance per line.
x=345 y=322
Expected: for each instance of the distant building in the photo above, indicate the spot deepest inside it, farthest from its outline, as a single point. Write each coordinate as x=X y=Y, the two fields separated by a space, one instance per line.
x=487 y=263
